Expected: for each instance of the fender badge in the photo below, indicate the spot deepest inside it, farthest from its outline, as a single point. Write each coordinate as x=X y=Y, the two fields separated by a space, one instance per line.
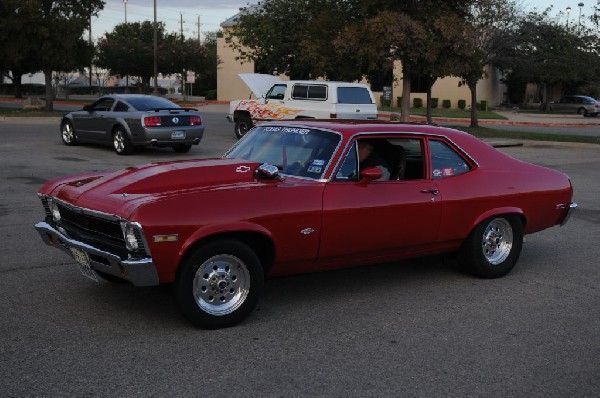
x=243 y=169
x=307 y=231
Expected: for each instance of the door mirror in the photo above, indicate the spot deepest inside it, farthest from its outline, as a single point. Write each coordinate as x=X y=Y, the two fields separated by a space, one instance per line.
x=88 y=108
x=371 y=174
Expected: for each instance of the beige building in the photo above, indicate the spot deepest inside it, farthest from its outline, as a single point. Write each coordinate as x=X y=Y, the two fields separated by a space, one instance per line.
x=231 y=87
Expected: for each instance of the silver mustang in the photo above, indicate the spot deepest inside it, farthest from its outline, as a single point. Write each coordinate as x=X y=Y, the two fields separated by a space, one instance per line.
x=126 y=121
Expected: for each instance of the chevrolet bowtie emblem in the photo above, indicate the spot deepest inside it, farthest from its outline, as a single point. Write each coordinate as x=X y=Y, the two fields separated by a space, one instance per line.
x=243 y=169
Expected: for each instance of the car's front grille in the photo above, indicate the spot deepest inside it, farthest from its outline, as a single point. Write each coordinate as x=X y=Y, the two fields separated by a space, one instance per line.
x=91 y=224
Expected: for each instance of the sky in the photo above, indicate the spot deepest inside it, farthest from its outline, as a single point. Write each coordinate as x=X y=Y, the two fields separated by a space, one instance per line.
x=213 y=12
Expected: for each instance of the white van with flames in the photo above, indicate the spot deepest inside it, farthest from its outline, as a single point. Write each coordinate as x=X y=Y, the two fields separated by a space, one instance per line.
x=297 y=99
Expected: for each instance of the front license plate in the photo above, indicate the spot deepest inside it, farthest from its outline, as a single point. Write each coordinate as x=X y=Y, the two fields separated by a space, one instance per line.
x=178 y=135
x=83 y=260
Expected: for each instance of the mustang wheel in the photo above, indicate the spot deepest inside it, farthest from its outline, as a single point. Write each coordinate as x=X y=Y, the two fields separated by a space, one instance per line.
x=219 y=284
x=494 y=246
x=242 y=125
x=68 y=134
x=121 y=142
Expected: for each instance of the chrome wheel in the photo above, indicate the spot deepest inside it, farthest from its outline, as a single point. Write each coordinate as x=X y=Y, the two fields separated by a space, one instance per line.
x=497 y=241
x=119 y=141
x=68 y=135
x=221 y=284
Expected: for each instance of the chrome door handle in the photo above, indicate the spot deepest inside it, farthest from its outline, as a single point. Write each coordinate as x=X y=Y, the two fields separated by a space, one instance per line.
x=431 y=191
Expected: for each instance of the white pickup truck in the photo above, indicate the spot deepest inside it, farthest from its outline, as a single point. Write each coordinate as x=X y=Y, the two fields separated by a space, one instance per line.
x=296 y=99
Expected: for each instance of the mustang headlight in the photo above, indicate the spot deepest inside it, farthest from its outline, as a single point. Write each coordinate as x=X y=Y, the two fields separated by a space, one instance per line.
x=54 y=211
x=131 y=240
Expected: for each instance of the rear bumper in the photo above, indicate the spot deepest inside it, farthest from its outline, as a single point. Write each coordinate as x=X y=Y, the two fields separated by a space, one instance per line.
x=164 y=136
x=140 y=272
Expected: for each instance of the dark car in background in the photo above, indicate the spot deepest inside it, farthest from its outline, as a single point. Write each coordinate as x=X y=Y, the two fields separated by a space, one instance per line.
x=581 y=104
x=126 y=121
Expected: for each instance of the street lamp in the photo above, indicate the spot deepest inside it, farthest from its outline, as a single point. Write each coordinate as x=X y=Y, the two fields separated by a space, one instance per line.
x=568 y=12
x=580 y=5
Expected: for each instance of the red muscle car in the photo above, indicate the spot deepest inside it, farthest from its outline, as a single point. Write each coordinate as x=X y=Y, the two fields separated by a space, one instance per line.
x=293 y=197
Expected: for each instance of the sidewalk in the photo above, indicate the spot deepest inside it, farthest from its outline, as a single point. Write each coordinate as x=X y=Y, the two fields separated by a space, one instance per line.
x=514 y=118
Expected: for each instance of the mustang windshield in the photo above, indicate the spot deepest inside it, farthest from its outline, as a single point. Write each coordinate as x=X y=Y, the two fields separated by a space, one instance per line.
x=296 y=151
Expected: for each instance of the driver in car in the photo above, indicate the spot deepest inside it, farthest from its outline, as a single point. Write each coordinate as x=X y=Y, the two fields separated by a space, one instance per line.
x=367 y=157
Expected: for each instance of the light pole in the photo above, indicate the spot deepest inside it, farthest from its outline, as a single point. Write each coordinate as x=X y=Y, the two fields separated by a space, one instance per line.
x=155 y=91
x=568 y=12
x=127 y=75
x=580 y=5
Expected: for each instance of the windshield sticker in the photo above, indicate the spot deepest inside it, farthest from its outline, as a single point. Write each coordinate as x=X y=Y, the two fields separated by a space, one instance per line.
x=448 y=172
x=314 y=169
x=291 y=130
x=318 y=162
x=437 y=173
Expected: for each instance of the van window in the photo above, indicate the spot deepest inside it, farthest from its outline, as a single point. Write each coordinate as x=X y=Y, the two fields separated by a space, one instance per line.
x=309 y=92
x=353 y=95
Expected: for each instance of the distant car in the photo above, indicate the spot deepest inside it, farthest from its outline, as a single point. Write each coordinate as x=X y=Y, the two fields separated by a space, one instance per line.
x=294 y=197
x=127 y=121
x=586 y=106
x=299 y=99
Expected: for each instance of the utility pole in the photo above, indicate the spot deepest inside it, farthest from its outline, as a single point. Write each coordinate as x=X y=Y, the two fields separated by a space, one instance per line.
x=183 y=72
x=199 y=40
x=90 y=41
x=155 y=91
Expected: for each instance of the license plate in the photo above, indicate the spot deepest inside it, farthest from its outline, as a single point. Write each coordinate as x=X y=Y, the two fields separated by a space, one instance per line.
x=178 y=135
x=83 y=261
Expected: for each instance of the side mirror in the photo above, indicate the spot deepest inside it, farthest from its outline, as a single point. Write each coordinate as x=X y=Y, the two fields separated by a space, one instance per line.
x=266 y=170
x=88 y=108
x=371 y=174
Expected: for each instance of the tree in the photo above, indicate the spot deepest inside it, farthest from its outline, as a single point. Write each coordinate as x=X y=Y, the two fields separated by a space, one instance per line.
x=53 y=38
x=128 y=50
x=494 y=27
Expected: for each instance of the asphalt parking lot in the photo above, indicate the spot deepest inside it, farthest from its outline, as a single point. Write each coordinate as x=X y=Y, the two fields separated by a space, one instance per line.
x=412 y=328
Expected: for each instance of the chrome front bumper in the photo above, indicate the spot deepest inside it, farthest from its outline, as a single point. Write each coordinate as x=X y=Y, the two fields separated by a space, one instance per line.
x=139 y=272
x=570 y=209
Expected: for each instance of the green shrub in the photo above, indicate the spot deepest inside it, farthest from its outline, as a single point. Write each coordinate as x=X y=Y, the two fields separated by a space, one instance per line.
x=434 y=102
x=483 y=105
x=384 y=103
x=462 y=104
x=447 y=103
x=417 y=102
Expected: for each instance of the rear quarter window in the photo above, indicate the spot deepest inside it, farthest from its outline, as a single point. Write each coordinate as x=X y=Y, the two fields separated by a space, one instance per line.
x=445 y=161
x=353 y=95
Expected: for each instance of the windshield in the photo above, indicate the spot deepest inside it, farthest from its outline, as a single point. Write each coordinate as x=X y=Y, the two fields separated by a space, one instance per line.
x=296 y=151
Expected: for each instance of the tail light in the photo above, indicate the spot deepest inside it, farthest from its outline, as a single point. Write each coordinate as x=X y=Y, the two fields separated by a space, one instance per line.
x=333 y=115
x=195 y=121
x=152 y=121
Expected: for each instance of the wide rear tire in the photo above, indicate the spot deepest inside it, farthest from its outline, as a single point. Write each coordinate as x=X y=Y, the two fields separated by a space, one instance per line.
x=219 y=284
x=493 y=247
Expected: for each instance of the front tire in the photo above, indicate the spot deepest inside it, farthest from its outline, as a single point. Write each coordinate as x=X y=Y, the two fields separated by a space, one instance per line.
x=121 y=142
x=67 y=133
x=243 y=124
x=219 y=284
x=493 y=247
